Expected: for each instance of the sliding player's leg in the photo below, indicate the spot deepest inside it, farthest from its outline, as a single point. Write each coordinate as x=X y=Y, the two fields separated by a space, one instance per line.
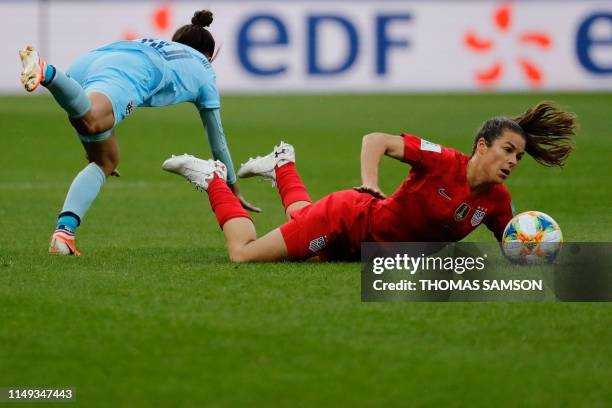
x=292 y=190
x=279 y=168
x=238 y=228
x=244 y=246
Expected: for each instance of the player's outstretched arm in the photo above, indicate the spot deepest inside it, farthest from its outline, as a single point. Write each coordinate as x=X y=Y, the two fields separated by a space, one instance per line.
x=373 y=147
x=211 y=118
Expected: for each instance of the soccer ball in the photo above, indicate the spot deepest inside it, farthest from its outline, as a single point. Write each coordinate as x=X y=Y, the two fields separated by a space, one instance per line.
x=532 y=238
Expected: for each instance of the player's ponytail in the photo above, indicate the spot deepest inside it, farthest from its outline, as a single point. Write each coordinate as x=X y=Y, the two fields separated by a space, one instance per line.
x=548 y=132
x=196 y=35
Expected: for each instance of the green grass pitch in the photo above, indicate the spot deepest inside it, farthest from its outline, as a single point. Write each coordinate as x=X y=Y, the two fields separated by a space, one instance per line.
x=153 y=314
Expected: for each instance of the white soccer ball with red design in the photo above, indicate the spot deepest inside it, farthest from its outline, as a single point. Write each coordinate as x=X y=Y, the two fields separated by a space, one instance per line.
x=532 y=238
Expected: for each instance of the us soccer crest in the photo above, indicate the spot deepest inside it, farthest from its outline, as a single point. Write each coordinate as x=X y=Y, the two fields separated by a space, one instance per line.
x=462 y=211
x=478 y=216
x=317 y=244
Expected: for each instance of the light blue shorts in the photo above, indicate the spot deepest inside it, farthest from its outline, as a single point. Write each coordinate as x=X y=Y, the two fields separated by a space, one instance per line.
x=125 y=77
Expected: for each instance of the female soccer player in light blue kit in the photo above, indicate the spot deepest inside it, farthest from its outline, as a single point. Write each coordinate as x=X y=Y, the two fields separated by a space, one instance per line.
x=103 y=86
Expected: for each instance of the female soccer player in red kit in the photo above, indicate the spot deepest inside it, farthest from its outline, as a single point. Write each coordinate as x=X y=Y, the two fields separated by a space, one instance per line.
x=445 y=197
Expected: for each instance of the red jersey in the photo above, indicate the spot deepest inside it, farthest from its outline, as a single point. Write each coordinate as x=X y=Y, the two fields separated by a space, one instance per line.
x=435 y=202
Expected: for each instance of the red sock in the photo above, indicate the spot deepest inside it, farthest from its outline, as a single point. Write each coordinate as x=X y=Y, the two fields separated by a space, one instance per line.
x=290 y=185
x=224 y=203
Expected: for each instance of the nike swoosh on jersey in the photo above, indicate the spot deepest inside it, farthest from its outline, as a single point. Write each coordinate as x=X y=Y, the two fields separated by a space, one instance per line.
x=442 y=192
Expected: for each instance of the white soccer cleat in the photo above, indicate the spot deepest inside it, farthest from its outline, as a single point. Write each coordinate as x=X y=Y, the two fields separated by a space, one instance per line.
x=264 y=166
x=197 y=171
x=62 y=243
x=34 y=67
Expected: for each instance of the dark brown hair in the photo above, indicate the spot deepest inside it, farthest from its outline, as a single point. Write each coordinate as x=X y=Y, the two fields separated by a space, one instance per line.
x=548 y=132
x=196 y=35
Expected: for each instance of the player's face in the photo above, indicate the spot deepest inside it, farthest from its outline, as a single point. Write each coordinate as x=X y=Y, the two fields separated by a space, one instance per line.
x=500 y=159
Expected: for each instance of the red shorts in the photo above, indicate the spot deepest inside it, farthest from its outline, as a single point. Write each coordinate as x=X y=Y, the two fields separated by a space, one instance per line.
x=331 y=228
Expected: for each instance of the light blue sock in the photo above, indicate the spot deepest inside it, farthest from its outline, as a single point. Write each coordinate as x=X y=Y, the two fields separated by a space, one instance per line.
x=83 y=191
x=67 y=92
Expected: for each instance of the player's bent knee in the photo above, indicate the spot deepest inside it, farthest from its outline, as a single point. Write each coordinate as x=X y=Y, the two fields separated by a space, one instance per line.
x=236 y=256
x=372 y=135
x=89 y=126
x=239 y=255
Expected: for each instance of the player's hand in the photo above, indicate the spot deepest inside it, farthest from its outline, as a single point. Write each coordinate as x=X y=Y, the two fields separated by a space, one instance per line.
x=245 y=204
x=116 y=173
x=370 y=189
